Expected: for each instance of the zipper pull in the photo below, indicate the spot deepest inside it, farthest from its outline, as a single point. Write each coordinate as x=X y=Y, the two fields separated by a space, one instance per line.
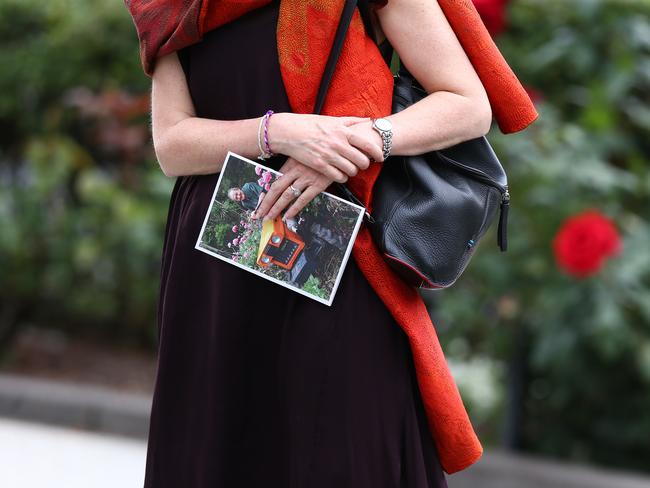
x=502 y=230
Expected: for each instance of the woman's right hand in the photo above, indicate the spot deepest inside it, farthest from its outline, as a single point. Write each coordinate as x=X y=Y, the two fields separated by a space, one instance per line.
x=324 y=143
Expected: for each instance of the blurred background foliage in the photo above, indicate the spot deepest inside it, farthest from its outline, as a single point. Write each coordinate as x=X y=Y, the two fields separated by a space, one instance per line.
x=82 y=202
x=572 y=356
x=547 y=362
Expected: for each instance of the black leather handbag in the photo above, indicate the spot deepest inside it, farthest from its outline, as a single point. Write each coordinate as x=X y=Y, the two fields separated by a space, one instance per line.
x=429 y=211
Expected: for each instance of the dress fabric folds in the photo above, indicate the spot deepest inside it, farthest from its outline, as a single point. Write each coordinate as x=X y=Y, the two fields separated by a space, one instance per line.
x=257 y=385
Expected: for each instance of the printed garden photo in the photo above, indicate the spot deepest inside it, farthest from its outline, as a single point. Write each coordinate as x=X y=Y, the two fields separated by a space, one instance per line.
x=307 y=253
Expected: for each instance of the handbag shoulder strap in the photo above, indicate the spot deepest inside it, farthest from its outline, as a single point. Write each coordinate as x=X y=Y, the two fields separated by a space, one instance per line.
x=341 y=31
x=337 y=45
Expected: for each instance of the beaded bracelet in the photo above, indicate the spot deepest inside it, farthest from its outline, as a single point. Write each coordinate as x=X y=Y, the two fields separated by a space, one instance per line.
x=265 y=152
x=267 y=145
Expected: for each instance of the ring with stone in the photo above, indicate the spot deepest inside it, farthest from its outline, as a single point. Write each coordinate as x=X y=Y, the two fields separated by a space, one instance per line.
x=295 y=191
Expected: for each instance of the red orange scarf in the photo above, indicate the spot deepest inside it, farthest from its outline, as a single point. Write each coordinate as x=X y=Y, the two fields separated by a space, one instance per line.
x=362 y=86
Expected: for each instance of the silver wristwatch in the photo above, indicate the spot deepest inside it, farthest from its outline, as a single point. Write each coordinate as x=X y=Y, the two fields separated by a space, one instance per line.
x=385 y=129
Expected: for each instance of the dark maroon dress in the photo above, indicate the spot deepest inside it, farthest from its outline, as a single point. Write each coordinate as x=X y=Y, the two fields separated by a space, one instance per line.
x=258 y=386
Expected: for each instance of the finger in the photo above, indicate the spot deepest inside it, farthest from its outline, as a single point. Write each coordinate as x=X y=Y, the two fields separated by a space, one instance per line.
x=343 y=164
x=360 y=160
x=330 y=171
x=305 y=197
x=277 y=189
x=366 y=144
x=281 y=203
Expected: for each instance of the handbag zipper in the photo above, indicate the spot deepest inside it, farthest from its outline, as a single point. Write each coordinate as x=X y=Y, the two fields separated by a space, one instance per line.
x=502 y=229
x=478 y=173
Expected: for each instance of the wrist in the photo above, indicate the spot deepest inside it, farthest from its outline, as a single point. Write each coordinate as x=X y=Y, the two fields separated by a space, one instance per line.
x=278 y=132
x=376 y=136
x=384 y=127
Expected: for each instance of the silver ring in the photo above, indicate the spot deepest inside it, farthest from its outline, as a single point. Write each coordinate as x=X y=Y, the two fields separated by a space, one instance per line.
x=295 y=191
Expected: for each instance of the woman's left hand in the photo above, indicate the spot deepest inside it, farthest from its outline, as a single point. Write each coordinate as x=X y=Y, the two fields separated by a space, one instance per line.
x=309 y=181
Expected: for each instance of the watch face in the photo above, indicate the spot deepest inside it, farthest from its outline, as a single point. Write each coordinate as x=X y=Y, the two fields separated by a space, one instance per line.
x=383 y=124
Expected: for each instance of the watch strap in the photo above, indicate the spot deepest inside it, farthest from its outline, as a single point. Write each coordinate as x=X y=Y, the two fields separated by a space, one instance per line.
x=386 y=137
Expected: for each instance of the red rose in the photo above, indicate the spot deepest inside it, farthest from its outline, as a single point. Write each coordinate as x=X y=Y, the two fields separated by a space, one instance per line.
x=493 y=14
x=535 y=95
x=584 y=241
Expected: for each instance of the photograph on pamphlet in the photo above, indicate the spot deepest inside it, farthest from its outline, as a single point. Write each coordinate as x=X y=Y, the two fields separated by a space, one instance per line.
x=307 y=253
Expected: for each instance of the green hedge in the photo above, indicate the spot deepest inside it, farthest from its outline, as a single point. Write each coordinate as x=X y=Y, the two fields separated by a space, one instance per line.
x=81 y=210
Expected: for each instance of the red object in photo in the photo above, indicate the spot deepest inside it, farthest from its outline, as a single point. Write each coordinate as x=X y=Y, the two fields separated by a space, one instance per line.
x=278 y=245
x=493 y=13
x=584 y=242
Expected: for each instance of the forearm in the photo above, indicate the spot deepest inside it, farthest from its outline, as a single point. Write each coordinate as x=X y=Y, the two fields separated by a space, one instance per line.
x=457 y=107
x=439 y=120
x=196 y=145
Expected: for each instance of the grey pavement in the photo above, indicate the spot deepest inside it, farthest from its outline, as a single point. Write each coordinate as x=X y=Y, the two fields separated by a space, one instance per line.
x=41 y=456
